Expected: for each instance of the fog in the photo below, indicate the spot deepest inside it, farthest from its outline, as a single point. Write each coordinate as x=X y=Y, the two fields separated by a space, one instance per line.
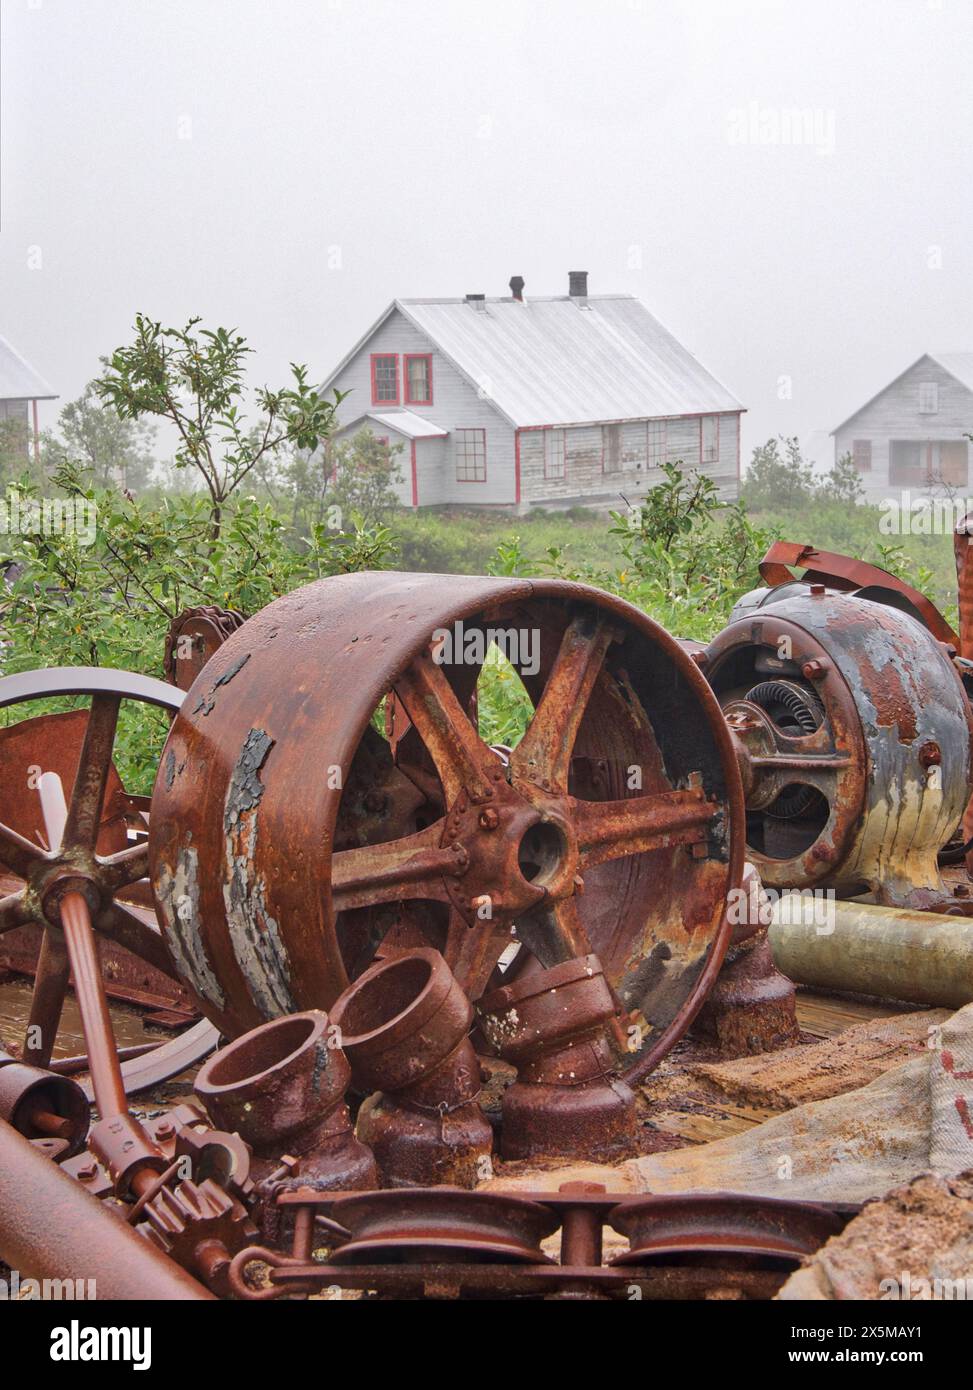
x=787 y=186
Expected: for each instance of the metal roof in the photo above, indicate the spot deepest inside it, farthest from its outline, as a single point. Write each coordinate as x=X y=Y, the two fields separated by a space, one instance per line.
x=564 y=360
x=403 y=421
x=958 y=364
x=18 y=380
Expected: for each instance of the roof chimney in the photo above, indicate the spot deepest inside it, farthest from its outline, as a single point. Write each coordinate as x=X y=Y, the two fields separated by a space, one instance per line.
x=578 y=284
x=476 y=301
x=517 y=287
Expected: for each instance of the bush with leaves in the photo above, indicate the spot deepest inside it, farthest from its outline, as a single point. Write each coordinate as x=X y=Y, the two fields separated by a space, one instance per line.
x=363 y=473
x=194 y=379
x=778 y=475
x=110 y=603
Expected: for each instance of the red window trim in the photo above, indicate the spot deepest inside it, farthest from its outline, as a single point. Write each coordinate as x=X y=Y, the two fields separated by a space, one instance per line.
x=413 y=357
x=472 y=429
x=398 y=393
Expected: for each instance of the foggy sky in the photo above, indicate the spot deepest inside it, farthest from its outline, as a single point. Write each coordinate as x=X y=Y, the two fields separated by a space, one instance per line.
x=289 y=166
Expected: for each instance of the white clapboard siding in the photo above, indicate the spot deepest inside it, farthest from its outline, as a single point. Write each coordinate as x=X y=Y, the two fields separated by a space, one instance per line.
x=894 y=415
x=455 y=405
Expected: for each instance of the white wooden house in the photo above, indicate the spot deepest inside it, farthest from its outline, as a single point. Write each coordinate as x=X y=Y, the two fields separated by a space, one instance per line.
x=912 y=434
x=559 y=401
x=20 y=390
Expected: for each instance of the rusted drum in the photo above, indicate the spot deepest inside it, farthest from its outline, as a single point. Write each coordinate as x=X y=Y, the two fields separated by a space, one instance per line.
x=856 y=737
x=288 y=846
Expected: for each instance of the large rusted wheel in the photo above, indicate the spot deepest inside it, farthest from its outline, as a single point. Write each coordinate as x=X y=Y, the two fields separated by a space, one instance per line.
x=287 y=844
x=94 y=857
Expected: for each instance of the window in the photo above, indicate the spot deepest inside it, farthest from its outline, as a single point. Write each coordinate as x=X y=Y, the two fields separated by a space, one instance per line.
x=385 y=378
x=418 y=379
x=553 y=453
x=471 y=456
x=928 y=397
x=861 y=455
x=655 y=446
x=709 y=439
x=611 y=448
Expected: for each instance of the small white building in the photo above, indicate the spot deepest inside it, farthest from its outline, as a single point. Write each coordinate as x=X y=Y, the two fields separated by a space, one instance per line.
x=511 y=402
x=912 y=434
x=20 y=390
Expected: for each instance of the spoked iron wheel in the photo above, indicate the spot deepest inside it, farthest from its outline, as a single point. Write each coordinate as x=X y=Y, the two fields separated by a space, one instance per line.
x=288 y=845
x=88 y=859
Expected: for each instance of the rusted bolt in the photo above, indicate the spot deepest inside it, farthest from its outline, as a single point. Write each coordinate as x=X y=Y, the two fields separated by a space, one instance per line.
x=165 y=1129
x=961 y=890
x=814 y=670
x=817 y=590
x=489 y=820
x=930 y=755
x=701 y=659
x=88 y=1171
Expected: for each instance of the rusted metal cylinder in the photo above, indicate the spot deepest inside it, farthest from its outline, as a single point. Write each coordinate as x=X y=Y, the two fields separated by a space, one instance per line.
x=39 y=1104
x=281 y=1087
x=404 y=1027
x=552 y=1026
x=50 y=1228
x=895 y=953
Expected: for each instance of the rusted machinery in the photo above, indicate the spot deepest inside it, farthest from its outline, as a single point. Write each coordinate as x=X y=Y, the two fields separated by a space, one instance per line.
x=288 y=846
x=856 y=729
x=363 y=919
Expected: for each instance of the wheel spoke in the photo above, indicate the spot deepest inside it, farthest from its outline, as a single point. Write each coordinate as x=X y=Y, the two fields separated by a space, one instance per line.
x=14 y=912
x=127 y=866
x=17 y=853
x=411 y=867
x=127 y=930
x=472 y=952
x=614 y=829
x=84 y=811
x=463 y=761
x=47 y=1000
x=544 y=753
x=554 y=932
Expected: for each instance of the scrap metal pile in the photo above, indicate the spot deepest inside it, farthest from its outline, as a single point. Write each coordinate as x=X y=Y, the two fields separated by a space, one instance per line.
x=410 y=960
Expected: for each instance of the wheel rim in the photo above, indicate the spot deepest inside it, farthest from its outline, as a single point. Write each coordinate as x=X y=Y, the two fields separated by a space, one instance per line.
x=78 y=866
x=260 y=867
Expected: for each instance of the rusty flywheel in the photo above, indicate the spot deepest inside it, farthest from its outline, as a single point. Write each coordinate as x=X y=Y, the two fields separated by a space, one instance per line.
x=288 y=844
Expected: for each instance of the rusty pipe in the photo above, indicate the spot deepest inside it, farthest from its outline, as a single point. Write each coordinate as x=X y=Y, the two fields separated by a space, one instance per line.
x=89 y=988
x=897 y=953
x=50 y=1228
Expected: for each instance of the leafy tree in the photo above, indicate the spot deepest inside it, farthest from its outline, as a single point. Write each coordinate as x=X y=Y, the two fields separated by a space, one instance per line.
x=843 y=483
x=194 y=378
x=778 y=476
x=110 y=602
x=115 y=449
x=16 y=452
x=361 y=475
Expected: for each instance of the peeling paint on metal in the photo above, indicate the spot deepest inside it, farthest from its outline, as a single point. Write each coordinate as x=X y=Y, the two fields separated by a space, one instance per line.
x=207 y=703
x=177 y=892
x=254 y=932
